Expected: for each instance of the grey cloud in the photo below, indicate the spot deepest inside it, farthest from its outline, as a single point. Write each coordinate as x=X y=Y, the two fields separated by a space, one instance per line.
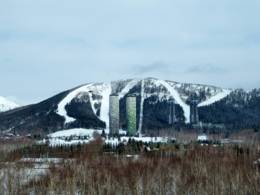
x=63 y=44
x=206 y=69
x=158 y=66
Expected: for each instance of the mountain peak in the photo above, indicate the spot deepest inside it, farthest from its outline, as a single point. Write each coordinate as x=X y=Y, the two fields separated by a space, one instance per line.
x=6 y=104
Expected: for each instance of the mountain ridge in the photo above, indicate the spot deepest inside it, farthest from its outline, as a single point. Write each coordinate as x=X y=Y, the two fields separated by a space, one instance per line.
x=87 y=105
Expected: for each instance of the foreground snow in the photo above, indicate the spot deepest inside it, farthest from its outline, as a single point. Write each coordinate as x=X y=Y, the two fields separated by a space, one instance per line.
x=21 y=175
x=71 y=137
x=202 y=137
x=41 y=160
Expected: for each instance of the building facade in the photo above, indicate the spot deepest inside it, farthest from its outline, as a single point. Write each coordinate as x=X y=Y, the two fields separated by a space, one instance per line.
x=131 y=115
x=113 y=114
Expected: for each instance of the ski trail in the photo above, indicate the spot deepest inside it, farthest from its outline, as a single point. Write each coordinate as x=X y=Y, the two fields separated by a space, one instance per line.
x=215 y=98
x=61 y=106
x=176 y=96
x=127 y=88
x=104 y=110
x=141 y=109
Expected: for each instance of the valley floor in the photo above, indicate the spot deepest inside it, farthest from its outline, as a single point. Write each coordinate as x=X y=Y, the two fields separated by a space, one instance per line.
x=131 y=168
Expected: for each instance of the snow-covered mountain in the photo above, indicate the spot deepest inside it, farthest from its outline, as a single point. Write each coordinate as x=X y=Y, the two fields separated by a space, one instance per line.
x=98 y=94
x=87 y=106
x=6 y=104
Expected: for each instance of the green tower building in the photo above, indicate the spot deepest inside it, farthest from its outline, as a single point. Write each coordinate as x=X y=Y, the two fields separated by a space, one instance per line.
x=131 y=115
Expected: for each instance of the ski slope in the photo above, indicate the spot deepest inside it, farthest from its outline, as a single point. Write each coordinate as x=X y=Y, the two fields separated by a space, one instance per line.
x=127 y=88
x=62 y=105
x=105 y=89
x=141 y=109
x=104 y=110
x=215 y=98
x=177 y=98
x=102 y=89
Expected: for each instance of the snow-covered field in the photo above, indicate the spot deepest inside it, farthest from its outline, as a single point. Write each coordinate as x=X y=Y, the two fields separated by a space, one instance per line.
x=13 y=176
x=73 y=132
x=71 y=137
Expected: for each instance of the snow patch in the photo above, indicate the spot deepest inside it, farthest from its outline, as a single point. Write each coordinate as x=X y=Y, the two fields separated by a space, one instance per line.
x=41 y=160
x=6 y=105
x=202 y=137
x=71 y=137
x=73 y=132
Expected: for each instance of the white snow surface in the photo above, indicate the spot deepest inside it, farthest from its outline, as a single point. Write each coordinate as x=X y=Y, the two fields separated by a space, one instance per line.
x=202 y=137
x=59 y=138
x=141 y=109
x=41 y=160
x=128 y=87
x=80 y=132
x=215 y=98
x=104 y=110
x=103 y=89
x=73 y=132
x=6 y=104
x=61 y=106
x=177 y=98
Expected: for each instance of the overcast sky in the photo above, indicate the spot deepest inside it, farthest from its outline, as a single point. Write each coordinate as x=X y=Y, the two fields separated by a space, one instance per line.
x=52 y=45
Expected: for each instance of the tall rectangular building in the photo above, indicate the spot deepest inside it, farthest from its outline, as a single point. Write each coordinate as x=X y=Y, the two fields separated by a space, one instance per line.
x=131 y=115
x=113 y=114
